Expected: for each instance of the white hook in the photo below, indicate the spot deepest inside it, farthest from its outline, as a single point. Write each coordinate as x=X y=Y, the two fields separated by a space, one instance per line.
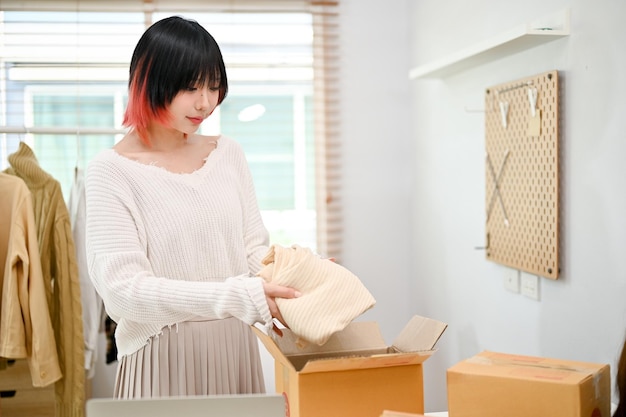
x=532 y=98
x=504 y=111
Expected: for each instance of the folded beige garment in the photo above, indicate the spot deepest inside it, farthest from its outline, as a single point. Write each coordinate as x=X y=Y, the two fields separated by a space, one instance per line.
x=332 y=296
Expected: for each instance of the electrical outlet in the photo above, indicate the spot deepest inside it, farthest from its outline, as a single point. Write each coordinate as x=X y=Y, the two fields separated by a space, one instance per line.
x=530 y=286
x=511 y=280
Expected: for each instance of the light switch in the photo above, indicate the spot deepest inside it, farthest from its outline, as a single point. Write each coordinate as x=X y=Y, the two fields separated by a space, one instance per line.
x=530 y=285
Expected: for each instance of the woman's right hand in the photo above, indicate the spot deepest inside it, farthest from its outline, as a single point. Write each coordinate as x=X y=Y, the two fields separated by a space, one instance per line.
x=273 y=291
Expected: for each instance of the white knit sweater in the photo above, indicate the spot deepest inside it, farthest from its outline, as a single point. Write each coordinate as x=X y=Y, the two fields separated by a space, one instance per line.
x=163 y=248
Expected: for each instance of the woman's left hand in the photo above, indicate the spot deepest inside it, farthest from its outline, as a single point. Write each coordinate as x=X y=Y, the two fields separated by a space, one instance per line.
x=273 y=291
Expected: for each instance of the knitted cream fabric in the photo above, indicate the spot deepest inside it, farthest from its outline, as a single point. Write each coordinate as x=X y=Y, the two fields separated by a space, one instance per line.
x=332 y=296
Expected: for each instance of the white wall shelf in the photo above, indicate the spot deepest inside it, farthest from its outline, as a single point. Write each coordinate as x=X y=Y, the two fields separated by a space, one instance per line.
x=518 y=39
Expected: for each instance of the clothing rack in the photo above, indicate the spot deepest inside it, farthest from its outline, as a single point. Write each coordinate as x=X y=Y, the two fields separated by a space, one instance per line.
x=32 y=381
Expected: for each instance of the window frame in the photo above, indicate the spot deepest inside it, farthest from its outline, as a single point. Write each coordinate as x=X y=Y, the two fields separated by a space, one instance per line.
x=326 y=90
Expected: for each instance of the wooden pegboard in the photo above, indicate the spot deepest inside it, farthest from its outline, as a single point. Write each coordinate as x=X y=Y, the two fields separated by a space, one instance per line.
x=522 y=174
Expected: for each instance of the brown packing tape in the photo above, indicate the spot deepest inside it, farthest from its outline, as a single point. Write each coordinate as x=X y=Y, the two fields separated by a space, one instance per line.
x=522 y=361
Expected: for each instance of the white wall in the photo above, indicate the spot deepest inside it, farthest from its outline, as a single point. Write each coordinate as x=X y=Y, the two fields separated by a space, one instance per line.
x=580 y=316
x=377 y=148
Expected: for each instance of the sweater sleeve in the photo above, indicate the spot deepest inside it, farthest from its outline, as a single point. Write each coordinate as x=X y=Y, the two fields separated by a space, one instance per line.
x=25 y=329
x=119 y=266
x=71 y=389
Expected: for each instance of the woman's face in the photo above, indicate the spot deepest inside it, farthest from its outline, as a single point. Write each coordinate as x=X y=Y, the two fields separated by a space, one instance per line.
x=190 y=107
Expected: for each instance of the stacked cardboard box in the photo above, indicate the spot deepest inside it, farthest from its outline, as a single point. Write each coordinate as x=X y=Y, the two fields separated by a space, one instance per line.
x=493 y=384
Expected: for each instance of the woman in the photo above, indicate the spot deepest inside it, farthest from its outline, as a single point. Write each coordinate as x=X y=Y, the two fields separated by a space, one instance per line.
x=174 y=232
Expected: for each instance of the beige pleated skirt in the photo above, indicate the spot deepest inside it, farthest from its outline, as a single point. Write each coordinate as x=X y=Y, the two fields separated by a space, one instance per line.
x=194 y=358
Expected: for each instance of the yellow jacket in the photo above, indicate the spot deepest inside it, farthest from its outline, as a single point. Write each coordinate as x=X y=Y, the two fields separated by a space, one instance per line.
x=58 y=262
x=25 y=327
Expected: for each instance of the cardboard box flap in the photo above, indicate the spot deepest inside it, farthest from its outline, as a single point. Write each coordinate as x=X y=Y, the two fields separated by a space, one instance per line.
x=358 y=346
x=358 y=339
x=273 y=349
x=346 y=362
x=357 y=336
x=420 y=334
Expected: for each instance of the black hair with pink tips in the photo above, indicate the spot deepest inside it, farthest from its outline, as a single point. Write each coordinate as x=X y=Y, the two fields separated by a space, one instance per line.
x=172 y=55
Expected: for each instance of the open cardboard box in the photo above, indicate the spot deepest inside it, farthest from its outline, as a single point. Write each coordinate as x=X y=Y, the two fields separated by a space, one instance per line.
x=492 y=384
x=354 y=374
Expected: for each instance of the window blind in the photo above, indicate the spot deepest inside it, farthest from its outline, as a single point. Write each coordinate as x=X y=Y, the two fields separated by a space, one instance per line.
x=63 y=82
x=327 y=127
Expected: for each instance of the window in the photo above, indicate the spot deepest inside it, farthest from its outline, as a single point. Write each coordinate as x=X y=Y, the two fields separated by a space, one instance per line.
x=63 y=82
